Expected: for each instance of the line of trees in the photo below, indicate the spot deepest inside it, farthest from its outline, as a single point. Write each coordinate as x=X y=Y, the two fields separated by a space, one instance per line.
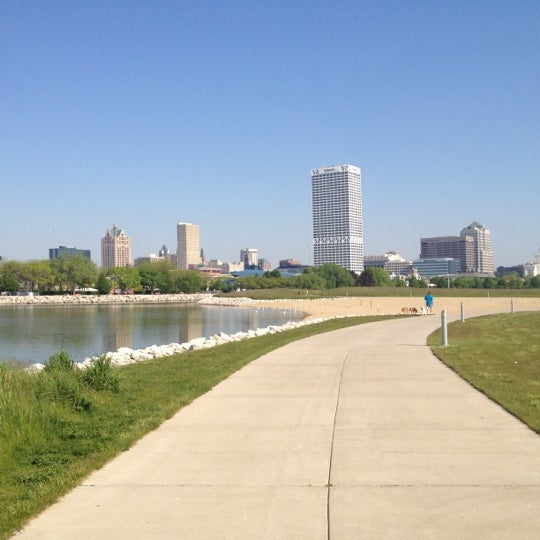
x=326 y=276
x=330 y=276
x=72 y=274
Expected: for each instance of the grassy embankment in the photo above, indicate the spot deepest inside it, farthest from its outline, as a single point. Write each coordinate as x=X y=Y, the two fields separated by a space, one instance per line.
x=398 y=292
x=55 y=428
x=500 y=356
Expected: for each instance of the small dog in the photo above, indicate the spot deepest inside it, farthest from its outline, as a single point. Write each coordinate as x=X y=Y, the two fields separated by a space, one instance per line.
x=409 y=310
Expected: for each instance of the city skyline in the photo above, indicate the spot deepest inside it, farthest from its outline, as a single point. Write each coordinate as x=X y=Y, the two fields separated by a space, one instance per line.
x=109 y=251
x=113 y=115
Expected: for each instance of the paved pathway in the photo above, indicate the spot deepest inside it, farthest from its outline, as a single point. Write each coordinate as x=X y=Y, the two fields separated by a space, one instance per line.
x=360 y=433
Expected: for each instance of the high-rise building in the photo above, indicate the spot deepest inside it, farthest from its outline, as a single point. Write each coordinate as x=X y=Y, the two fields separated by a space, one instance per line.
x=250 y=258
x=472 y=248
x=115 y=248
x=483 y=256
x=460 y=248
x=188 y=250
x=338 y=235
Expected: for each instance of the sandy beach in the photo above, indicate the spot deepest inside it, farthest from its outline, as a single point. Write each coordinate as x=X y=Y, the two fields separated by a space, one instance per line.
x=361 y=306
x=313 y=308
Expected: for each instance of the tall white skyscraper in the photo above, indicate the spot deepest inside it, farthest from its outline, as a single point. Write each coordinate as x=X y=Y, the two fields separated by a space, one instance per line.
x=338 y=235
x=188 y=250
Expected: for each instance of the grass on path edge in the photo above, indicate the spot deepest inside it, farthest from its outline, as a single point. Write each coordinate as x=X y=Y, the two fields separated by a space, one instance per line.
x=50 y=447
x=499 y=355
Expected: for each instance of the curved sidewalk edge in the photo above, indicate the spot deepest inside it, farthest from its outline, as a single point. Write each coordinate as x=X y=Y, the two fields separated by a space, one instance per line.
x=358 y=433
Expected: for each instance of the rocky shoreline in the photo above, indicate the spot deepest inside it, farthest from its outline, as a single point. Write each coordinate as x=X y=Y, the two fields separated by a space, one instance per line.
x=126 y=355
x=101 y=299
x=315 y=310
x=207 y=299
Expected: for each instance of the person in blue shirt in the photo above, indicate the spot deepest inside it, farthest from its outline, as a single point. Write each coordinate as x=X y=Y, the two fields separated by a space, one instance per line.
x=429 y=302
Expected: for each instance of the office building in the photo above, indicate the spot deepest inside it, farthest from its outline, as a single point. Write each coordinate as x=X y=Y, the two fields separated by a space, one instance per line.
x=337 y=217
x=250 y=258
x=64 y=251
x=438 y=266
x=115 y=248
x=460 y=248
x=188 y=251
x=483 y=256
x=472 y=248
x=392 y=262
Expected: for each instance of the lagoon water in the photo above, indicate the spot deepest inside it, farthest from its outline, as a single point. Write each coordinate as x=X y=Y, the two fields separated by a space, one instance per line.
x=32 y=333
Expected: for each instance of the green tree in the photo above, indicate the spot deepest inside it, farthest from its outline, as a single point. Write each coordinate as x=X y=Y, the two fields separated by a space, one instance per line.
x=9 y=283
x=273 y=274
x=441 y=282
x=188 y=281
x=73 y=273
x=156 y=276
x=124 y=278
x=512 y=280
x=417 y=283
x=464 y=282
x=39 y=274
x=535 y=282
x=334 y=275
x=103 y=284
x=490 y=283
x=307 y=280
x=220 y=284
x=366 y=278
x=11 y=272
x=382 y=279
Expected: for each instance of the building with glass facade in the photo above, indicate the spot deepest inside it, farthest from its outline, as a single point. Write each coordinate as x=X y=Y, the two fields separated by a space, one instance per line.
x=337 y=217
x=64 y=251
x=445 y=266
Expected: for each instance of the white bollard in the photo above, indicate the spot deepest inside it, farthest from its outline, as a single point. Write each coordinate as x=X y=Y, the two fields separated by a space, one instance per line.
x=462 y=312
x=444 y=328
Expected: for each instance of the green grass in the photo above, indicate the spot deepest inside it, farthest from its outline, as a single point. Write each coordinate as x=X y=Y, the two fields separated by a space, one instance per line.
x=58 y=426
x=500 y=356
x=398 y=292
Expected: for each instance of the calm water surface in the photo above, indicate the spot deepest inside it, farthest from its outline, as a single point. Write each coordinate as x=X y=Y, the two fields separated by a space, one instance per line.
x=33 y=333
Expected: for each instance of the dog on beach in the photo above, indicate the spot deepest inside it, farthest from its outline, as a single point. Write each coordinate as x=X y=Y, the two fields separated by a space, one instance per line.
x=409 y=310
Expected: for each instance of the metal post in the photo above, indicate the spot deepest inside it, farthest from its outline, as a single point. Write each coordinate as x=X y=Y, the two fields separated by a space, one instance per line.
x=512 y=306
x=462 y=312
x=444 y=328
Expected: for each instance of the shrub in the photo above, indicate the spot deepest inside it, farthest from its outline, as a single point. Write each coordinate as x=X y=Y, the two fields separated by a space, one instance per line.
x=60 y=361
x=60 y=381
x=101 y=376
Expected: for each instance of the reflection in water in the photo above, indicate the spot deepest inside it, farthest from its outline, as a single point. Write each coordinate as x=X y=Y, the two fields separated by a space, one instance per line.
x=33 y=333
x=118 y=332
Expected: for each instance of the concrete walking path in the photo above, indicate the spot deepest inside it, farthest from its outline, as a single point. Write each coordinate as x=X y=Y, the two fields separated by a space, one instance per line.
x=358 y=433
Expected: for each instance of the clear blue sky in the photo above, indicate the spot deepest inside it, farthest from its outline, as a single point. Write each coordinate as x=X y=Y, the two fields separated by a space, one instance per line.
x=146 y=113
